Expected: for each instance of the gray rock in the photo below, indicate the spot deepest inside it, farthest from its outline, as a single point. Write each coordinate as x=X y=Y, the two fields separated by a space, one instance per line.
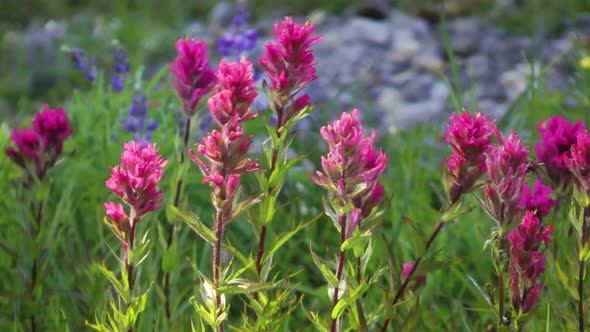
x=405 y=45
x=388 y=100
x=221 y=16
x=465 y=34
x=407 y=114
x=429 y=60
x=372 y=31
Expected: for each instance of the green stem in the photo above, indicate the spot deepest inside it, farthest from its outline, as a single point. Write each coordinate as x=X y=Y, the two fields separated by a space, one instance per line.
x=171 y=227
x=342 y=222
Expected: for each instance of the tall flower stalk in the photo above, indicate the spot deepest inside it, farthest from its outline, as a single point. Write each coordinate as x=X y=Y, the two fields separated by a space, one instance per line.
x=222 y=159
x=193 y=78
x=470 y=137
x=350 y=173
x=135 y=182
x=289 y=64
x=36 y=151
x=578 y=163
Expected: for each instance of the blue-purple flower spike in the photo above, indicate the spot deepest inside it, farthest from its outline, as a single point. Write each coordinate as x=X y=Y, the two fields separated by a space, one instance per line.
x=86 y=65
x=137 y=122
x=120 y=68
x=239 y=39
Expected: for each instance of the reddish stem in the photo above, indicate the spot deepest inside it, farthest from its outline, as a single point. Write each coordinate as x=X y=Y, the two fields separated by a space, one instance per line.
x=404 y=285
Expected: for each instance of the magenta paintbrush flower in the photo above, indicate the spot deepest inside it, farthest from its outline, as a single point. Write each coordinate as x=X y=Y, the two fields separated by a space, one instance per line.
x=289 y=61
x=557 y=137
x=578 y=161
x=529 y=243
x=352 y=166
x=41 y=147
x=136 y=178
x=539 y=200
x=193 y=77
x=290 y=65
x=470 y=136
x=507 y=166
x=221 y=156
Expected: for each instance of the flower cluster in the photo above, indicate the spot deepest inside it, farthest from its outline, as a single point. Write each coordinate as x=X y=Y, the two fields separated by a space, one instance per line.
x=222 y=155
x=507 y=167
x=351 y=168
x=40 y=147
x=239 y=39
x=470 y=136
x=120 y=68
x=193 y=77
x=578 y=161
x=539 y=201
x=137 y=122
x=557 y=137
x=134 y=181
x=289 y=64
x=529 y=243
x=84 y=64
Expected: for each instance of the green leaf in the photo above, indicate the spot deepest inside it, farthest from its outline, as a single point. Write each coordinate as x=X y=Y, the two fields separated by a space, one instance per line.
x=419 y=236
x=563 y=277
x=454 y=212
x=283 y=238
x=428 y=267
x=328 y=275
x=171 y=259
x=356 y=241
x=576 y=219
x=97 y=327
x=278 y=176
x=196 y=225
x=136 y=307
x=243 y=206
x=315 y=319
x=156 y=78
x=584 y=252
x=42 y=191
x=348 y=299
x=122 y=290
x=243 y=286
x=139 y=254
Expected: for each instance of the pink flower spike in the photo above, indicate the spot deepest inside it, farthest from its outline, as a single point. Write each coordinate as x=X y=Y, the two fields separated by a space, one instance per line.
x=53 y=128
x=557 y=137
x=289 y=62
x=539 y=201
x=135 y=179
x=193 y=77
x=578 y=161
x=470 y=136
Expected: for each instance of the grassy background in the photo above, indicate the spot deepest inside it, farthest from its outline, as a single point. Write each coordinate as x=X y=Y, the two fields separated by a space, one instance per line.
x=76 y=240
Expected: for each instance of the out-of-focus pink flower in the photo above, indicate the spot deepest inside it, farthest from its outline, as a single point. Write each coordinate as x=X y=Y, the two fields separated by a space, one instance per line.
x=539 y=200
x=289 y=61
x=193 y=77
x=470 y=136
x=136 y=178
x=529 y=243
x=507 y=166
x=42 y=146
x=418 y=281
x=352 y=166
x=557 y=137
x=53 y=128
x=578 y=161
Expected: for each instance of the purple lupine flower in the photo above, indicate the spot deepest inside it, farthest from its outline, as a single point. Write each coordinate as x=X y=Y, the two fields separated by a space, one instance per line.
x=557 y=137
x=138 y=122
x=239 y=39
x=507 y=166
x=120 y=68
x=539 y=200
x=529 y=243
x=84 y=64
